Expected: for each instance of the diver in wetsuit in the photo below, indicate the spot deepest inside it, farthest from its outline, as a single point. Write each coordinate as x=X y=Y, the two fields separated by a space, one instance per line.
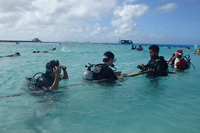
x=51 y=78
x=157 y=63
x=103 y=71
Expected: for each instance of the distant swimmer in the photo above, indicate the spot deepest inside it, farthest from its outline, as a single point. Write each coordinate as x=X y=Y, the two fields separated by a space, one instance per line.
x=133 y=47
x=177 y=60
x=187 y=48
x=197 y=52
x=40 y=51
x=11 y=55
x=157 y=63
x=51 y=78
x=44 y=51
x=140 y=48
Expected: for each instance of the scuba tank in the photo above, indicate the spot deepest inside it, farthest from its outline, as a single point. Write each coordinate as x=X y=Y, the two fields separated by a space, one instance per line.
x=32 y=80
x=88 y=74
x=187 y=58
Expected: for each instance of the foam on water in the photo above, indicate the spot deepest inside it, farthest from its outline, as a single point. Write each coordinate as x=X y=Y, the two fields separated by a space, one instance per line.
x=138 y=104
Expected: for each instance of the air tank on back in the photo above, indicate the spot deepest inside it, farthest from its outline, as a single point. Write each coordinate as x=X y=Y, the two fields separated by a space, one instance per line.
x=88 y=74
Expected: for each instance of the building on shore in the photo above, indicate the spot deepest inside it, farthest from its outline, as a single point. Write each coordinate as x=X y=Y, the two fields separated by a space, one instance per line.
x=33 y=40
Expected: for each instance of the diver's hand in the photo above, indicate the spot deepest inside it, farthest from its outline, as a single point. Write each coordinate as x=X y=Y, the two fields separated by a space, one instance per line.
x=65 y=74
x=56 y=70
x=63 y=67
x=143 y=67
x=124 y=74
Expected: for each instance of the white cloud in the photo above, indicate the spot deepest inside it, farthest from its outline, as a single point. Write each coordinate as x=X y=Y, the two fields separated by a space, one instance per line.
x=124 y=18
x=168 y=7
x=99 y=30
x=124 y=2
x=76 y=20
x=47 y=17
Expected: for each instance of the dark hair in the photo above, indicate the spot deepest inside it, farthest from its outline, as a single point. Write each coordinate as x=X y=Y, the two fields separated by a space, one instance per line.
x=107 y=56
x=154 y=48
x=17 y=53
x=50 y=65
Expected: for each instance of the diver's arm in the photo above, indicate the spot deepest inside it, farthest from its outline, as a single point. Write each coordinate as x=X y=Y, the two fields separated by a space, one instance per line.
x=145 y=67
x=55 y=84
x=65 y=74
x=122 y=76
x=170 y=59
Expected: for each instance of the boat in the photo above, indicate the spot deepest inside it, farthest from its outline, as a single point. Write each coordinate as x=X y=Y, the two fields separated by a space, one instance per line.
x=126 y=42
x=195 y=46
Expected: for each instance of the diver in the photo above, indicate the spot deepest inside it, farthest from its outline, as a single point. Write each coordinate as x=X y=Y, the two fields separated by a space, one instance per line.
x=157 y=63
x=103 y=71
x=177 y=60
x=51 y=78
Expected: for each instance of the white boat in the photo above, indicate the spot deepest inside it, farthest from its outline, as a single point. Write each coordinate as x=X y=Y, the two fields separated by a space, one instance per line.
x=195 y=46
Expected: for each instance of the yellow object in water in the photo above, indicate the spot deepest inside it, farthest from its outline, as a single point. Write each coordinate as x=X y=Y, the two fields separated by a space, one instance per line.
x=118 y=73
x=61 y=76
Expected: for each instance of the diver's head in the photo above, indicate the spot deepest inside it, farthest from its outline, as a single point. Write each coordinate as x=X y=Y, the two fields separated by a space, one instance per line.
x=199 y=49
x=50 y=65
x=17 y=53
x=109 y=58
x=154 y=51
x=179 y=53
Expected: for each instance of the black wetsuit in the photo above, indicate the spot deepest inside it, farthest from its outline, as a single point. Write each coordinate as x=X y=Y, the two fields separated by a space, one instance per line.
x=102 y=71
x=159 y=65
x=44 y=81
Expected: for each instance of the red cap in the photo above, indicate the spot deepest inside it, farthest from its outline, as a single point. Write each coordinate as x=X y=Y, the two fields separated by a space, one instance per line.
x=179 y=52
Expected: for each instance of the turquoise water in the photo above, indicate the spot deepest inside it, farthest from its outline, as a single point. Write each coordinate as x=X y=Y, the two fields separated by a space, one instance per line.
x=138 y=104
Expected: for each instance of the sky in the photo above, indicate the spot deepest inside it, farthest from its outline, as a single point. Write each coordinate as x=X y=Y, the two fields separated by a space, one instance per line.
x=142 y=21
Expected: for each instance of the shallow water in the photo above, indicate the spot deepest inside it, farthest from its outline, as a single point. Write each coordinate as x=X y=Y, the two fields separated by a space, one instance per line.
x=138 y=104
